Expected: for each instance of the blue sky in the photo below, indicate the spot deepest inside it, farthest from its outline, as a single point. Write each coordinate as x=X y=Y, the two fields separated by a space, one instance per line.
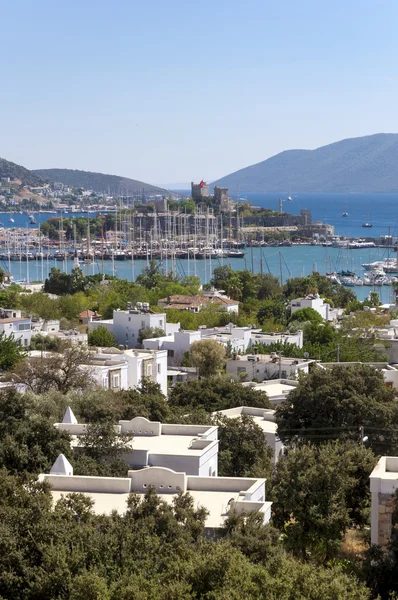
x=169 y=91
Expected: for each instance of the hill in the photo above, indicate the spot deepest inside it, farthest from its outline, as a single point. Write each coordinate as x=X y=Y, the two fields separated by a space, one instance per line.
x=99 y=182
x=14 y=171
x=365 y=164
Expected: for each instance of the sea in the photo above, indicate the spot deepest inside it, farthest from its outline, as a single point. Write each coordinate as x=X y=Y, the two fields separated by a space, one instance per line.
x=379 y=209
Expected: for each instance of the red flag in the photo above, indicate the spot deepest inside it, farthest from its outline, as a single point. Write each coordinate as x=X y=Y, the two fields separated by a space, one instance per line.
x=201 y=184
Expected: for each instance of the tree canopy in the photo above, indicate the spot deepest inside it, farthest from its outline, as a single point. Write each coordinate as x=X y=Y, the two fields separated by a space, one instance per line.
x=335 y=404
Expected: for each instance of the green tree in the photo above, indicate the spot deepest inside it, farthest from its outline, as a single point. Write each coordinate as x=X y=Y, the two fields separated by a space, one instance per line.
x=28 y=441
x=319 y=493
x=153 y=275
x=41 y=305
x=214 y=394
x=57 y=283
x=208 y=356
x=149 y=332
x=89 y=587
x=335 y=403
x=102 y=337
x=306 y=314
x=272 y=309
x=11 y=351
x=243 y=449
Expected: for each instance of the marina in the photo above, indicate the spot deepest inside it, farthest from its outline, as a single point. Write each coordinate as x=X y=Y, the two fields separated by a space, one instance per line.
x=361 y=263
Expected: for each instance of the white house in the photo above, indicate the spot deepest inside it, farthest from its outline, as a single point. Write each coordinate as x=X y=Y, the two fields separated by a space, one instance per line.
x=109 y=374
x=265 y=419
x=151 y=364
x=19 y=327
x=218 y=495
x=261 y=367
x=192 y=449
x=383 y=483
x=276 y=389
x=126 y=324
x=313 y=301
x=238 y=339
x=175 y=344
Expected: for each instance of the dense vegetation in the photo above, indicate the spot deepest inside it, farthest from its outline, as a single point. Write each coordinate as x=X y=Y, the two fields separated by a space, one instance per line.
x=156 y=550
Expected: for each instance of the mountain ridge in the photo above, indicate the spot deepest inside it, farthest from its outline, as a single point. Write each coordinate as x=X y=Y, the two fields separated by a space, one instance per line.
x=99 y=182
x=364 y=164
x=14 y=171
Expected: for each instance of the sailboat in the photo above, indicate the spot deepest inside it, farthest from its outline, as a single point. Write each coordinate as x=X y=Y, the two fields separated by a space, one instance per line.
x=367 y=223
x=345 y=213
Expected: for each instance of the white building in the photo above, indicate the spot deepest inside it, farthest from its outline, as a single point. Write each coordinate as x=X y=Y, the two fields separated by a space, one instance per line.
x=389 y=333
x=265 y=419
x=19 y=327
x=259 y=337
x=218 y=495
x=261 y=367
x=313 y=301
x=383 y=483
x=238 y=339
x=192 y=449
x=109 y=374
x=276 y=389
x=127 y=324
x=176 y=344
x=151 y=364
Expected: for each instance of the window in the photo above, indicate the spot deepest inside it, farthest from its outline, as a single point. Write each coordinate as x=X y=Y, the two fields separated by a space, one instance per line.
x=142 y=324
x=149 y=370
x=129 y=318
x=159 y=368
x=161 y=323
x=115 y=381
x=25 y=342
x=24 y=327
x=170 y=353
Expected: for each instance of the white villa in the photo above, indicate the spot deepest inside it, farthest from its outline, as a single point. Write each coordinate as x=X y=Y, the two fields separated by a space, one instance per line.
x=219 y=495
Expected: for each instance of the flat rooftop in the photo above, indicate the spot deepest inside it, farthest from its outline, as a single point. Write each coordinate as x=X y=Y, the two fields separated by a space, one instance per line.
x=273 y=387
x=157 y=438
x=215 y=502
x=217 y=494
x=263 y=417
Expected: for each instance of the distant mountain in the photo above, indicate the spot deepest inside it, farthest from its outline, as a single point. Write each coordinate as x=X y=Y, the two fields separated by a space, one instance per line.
x=365 y=164
x=99 y=182
x=13 y=171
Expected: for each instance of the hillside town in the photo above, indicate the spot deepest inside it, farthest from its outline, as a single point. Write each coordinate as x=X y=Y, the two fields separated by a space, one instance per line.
x=240 y=403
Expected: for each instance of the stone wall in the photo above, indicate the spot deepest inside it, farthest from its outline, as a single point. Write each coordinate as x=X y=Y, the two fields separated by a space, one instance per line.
x=385 y=510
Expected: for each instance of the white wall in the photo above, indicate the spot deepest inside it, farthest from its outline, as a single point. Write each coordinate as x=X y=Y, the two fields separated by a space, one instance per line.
x=17 y=329
x=263 y=370
x=127 y=325
x=289 y=338
x=315 y=303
